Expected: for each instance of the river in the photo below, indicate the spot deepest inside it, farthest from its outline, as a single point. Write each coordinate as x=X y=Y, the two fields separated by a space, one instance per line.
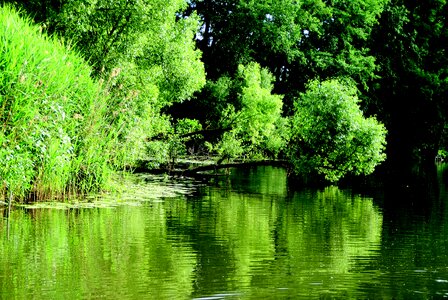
x=248 y=236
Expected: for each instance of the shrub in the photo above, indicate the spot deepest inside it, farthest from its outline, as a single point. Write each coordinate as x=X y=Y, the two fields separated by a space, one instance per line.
x=330 y=135
x=53 y=135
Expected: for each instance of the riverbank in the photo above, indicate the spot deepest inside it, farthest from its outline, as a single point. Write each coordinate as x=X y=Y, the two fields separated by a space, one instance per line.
x=200 y=166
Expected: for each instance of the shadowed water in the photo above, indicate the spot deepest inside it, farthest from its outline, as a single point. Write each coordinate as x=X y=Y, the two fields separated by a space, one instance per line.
x=246 y=237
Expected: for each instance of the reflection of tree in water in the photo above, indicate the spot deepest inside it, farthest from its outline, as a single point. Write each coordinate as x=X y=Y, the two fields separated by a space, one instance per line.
x=326 y=242
x=222 y=240
x=323 y=238
x=194 y=221
x=261 y=180
x=413 y=261
x=257 y=240
x=90 y=253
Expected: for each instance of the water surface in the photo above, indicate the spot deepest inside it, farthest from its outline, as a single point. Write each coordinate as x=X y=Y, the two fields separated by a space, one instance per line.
x=249 y=236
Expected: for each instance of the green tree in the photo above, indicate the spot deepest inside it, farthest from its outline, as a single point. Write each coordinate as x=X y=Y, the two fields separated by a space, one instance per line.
x=143 y=52
x=253 y=123
x=330 y=135
x=295 y=40
x=410 y=94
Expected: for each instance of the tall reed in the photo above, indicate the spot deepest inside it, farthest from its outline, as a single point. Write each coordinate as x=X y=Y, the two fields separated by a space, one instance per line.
x=54 y=138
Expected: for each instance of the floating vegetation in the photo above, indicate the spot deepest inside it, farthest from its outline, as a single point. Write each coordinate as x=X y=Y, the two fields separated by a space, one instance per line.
x=133 y=190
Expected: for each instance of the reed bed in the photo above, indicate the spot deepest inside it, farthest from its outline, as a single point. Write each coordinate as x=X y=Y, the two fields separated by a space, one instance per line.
x=54 y=136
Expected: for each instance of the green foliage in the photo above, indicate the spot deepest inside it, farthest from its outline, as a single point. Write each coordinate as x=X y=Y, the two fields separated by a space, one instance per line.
x=167 y=151
x=217 y=95
x=144 y=36
x=144 y=54
x=295 y=40
x=442 y=155
x=330 y=135
x=229 y=147
x=261 y=110
x=254 y=120
x=156 y=57
x=410 y=46
x=185 y=126
x=54 y=136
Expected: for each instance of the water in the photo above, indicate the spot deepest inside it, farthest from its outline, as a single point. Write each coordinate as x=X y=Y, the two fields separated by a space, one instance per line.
x=246 y=237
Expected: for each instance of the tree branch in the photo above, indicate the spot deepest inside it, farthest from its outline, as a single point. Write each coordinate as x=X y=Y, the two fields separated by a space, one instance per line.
x=206 y=132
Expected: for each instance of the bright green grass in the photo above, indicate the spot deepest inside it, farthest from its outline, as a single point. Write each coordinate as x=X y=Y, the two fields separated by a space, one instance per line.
x=54 y=139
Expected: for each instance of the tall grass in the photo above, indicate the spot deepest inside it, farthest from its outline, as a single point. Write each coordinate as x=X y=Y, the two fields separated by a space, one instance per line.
x=54 y=138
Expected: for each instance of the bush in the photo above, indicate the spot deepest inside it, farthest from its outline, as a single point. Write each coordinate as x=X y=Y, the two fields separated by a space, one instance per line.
x=53 y=135
x=252 y=120
x=330 y=135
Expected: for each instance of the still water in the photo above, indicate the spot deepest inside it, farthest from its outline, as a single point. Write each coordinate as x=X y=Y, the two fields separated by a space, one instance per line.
x=249 y=236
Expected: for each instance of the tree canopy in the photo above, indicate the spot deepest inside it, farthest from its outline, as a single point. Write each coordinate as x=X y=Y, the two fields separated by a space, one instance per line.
x=143 y=53
x=265 y=78
x=410 y=92
x=296 y=40
x=254 y=119
x=330 y=135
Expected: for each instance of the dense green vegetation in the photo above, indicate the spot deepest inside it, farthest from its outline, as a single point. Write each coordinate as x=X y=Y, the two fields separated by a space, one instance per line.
x=309 y=81
x=393 y=50
x=410 y=92
x=66 y=124
x=55 y=137
x=330 y=136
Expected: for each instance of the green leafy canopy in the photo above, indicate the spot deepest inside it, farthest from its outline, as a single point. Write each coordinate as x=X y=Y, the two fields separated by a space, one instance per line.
x=256 y=122
x=330 y=135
